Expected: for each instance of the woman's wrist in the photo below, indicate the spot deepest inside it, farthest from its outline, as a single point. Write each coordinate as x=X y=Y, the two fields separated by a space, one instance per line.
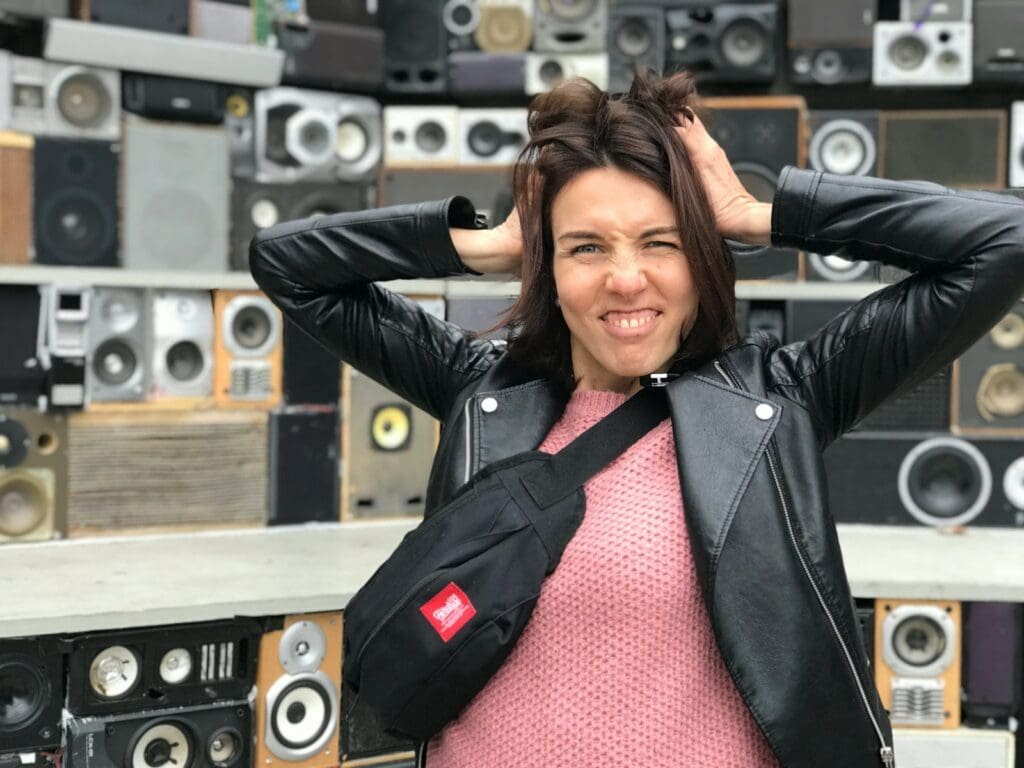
x=757 y=225
x=482 y=250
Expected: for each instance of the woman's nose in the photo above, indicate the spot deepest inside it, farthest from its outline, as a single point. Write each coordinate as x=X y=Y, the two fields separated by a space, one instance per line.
x=625 y=276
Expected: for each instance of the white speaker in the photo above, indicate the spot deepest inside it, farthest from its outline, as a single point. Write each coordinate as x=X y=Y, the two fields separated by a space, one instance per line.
x=926 y=53
x=504 y=26
x=570 y=26
x=415 y=136
x=1017 y=144
x=118 y=358
x=955 y=748
x=66 y=312
x=546 y=70
x=183 y=330
x=316 y=135
x=176 y=196
x=491 y=136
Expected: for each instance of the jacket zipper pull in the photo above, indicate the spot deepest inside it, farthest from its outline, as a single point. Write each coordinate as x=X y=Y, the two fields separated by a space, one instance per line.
x=888 y=760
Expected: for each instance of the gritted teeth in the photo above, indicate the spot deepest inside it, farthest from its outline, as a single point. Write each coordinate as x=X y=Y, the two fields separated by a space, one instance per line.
x=630 y=319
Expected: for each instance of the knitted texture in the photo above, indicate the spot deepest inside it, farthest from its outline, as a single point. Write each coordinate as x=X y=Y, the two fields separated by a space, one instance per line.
x=618 y=665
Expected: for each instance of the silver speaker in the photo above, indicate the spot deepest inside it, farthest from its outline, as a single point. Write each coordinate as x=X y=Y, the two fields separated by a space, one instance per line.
x=183 y=330
x=1017 y=144
x=118 y=358
x=176 y=196
x=226 y=22
x=66 y=311
x=416 y=136
x=50 y=99
x=316 y=135
x=544 y=71
x=844 y=142
x=936 y=10
x=926 y=53
x=491 y=136
x=570 y=26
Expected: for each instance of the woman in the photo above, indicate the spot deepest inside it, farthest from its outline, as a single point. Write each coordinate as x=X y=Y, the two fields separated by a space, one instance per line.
x=701 y=615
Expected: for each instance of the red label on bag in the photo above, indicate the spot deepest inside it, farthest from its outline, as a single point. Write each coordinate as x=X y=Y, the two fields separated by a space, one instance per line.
x=448 y=611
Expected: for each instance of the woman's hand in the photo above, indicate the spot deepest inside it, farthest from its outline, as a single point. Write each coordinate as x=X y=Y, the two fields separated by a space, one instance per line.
x=498 y=250
x=738 y=214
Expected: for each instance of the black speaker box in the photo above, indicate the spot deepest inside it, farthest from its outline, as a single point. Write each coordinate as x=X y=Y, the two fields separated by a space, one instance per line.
x=830 y=43
x=361 y=733
x=636 y=38
x=305 y=448
x=171 y=16
x=75 y=210
x=31 y=694
x=172 y=98
x=416 y=45
x=22 y=377
x=990 y=378
x=312 y=374
x=998 y=50
x=477 y=73
x=363 y=12
x=487 y=188
x=993 y=661
x=723 y=42
x=925 y=478
x=330 y=55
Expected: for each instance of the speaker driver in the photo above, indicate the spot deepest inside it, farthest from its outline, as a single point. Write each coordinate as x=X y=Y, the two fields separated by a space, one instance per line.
x=311 y=137
x=75 y=224
x=176 y=666
x=633 y=38
x=301 y=714
x=391 y=427
x=1013 y=483
x=251 y=328
x=919 y=641
x=224 y=748
x=352 y=141
x=944 y=481
x=571 y=10
x=114 y=672
x=486 y=139
x=82 y=99
x=303 y=647
x=1008 y=333
x=184 y=361
x=24 y=693
x=264 y=213
x=908 y=52
x=24 y=500
x=844 y=147
x=430 y=136
x=1001 y=392
x=460 y=17
x=114 y=362
x=159 y=745
x=743 y=43
x=14 y=443
x=838 y=269
x=503 y=30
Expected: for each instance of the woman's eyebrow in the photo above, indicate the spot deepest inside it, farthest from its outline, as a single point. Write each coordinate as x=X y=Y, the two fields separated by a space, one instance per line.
x=584 y=235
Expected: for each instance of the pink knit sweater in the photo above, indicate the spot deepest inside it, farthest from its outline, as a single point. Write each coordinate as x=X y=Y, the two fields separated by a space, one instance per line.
x=618 y=665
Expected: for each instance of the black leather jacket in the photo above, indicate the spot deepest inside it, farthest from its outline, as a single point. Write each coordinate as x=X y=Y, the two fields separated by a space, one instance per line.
x=763 y=540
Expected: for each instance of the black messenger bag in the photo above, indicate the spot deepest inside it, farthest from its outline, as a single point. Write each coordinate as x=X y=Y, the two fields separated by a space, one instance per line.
x=428 y=630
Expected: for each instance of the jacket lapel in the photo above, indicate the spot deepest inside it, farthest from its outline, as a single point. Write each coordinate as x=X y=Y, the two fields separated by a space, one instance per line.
x=720 y=437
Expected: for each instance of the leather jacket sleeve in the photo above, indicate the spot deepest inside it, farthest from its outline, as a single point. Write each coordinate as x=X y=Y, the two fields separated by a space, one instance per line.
x=965 y=250
x=322 y=272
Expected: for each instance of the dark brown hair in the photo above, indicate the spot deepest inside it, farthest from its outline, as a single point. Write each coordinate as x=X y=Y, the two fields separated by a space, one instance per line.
x=577 y=127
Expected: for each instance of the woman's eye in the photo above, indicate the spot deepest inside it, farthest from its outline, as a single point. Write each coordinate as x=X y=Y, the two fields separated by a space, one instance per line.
x=582 y=248
x=662 y=244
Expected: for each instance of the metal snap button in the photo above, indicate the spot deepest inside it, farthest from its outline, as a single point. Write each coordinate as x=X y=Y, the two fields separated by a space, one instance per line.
x=764 y=411
x=488 y=405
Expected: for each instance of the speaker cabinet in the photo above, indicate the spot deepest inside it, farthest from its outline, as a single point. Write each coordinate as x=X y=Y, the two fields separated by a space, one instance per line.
x=488 y=188
x=176 y=197
x=636 y=38
x=66 y=313
x=172 y=98
x=305 y=447
x=50 y=99
x=173 y=666
x=75 y=202
x=416 y=136
x=247 y=350
x=491 y=136
x=183 y=330
x=312 y=374
x=15 y=197
x=546 y=70
x=135 y=470
x=998 y=51
x=224 y=22
x=844 y=142
x=240 y=125
x=723 y=42
x=993 y=661
x=761 y=135
x=388 y=447
x=570 y=26
x=316 y=135
x=954 y=748
x=1017 y=145
x=933 y=479
x=168 y=16
x=119 y=338
x=363 y=12
x=22 y=374
x=478 y=314
x=768 y=316
x=212 y=736
x=830 y=44
x=989 y=380
x=474 y=73
x=917 y=661
x=36 y=8
x=416 y=45
x=33 y=476
x=298 y=693
x=363 y=740
x=916 y=145
x=32 y=671
x=505 y=26
x=255 y=206
x=324 y=54
x=922 y=53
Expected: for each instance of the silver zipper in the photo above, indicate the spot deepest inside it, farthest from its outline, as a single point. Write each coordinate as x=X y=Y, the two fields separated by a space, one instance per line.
x=885 y=752
x=469 y=440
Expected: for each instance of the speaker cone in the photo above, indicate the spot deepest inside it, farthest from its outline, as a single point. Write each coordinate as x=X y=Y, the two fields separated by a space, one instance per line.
x=224 y=748
x=114 y=672
x=176 y=666
x=838 y=269
x=1013 y=483
x=1001 y=392
x=83 y=100
x=114 y=362
x=571 y=10
x=919 y=641
x=633 y=38
x=844 y=147
x=503 y=29
x=75 y=227
x=461 y=17
x=165 y=743
x=486 y=139
x=430 y=136
x=251 y=327
x=352 y=141
x=184 y=361
x=944 y=481
x=1009 y=332
x=908 y=52
x=551 y=72
x=301 y=714
x=14 y=443
x=24 y=693
x=264 y=213
x=391 y=427
x=311 y=137
x=744 y=43
x=24 y=501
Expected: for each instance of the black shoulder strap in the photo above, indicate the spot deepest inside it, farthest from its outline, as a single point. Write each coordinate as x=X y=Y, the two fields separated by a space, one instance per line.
x=598 y=447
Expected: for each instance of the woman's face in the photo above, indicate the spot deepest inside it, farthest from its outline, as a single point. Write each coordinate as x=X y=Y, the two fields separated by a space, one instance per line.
x=623 y=281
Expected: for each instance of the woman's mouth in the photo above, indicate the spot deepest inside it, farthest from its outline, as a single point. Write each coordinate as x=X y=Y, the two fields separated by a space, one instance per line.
x=636 y=323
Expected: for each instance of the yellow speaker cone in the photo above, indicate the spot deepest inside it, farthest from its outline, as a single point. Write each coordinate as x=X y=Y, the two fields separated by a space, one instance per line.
x=391 y=427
